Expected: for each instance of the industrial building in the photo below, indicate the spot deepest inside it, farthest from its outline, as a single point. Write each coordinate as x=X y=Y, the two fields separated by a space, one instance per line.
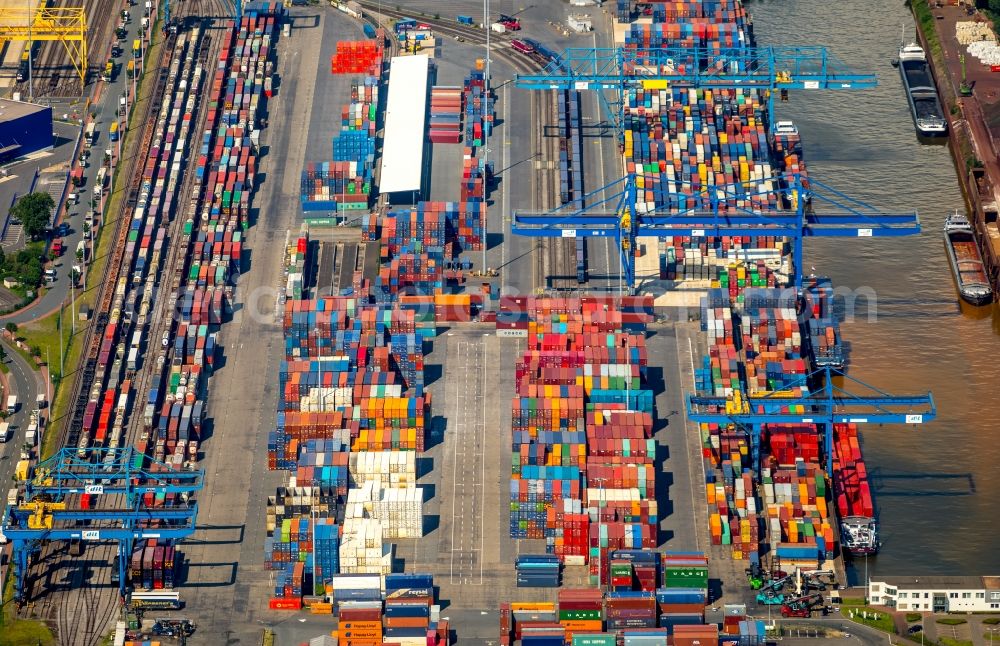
x=937 y=593
x=405 y=114
x=25 y=128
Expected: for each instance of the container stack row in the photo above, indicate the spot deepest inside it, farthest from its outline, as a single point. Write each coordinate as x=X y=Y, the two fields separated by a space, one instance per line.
x=850 y=483
x=361 y=114
x=757 y=347
x=334 y=186
x=356 y=57
x=537 y=570
x=661 y=615
x=451 y=227
x=343 y=185
x=681 y=142
x=153 y=565
x=404 y=614
x=445 y=126
x=582 y=462
x=479 y=109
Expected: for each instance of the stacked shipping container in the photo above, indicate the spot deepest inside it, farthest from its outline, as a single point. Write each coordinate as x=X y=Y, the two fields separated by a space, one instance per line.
x=446 y=115
x=357 y=57
x=582 y=455
x=344 y=184
x=681 y=142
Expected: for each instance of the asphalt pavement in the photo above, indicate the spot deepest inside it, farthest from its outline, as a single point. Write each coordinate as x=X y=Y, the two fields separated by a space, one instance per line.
x=104 y=109
x=25 y=384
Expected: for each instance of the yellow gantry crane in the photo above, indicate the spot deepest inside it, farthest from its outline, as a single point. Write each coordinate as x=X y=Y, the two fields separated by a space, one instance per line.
x=67 y=25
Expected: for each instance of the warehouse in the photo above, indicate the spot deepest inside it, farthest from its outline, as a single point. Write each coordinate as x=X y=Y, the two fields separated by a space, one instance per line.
x=937 y=593
x=25 y=128
x=406 y=107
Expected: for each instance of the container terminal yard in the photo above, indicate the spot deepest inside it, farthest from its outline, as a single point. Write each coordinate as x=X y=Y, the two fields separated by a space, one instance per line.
x=517 y=350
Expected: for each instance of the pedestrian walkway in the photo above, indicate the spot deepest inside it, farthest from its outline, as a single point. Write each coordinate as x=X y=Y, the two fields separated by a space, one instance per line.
x=13 y=237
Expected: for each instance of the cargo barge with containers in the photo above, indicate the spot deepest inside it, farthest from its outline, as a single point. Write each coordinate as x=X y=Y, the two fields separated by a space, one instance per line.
x=966 y=260
x=768 y=492
x=921 y=91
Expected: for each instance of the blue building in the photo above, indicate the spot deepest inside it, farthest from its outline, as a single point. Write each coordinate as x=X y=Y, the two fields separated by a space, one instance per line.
x=25 y=128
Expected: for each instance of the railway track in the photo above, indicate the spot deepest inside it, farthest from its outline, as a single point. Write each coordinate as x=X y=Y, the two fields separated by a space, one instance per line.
x=554 y=257
x=161 y=315
x=82 y=611
x=53 y=73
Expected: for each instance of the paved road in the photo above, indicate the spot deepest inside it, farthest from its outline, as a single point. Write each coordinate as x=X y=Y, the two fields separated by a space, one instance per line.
x=105 y=109
x=25 y=383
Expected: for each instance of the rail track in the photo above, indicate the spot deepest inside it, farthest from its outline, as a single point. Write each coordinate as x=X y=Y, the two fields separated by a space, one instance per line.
x=53 y=73
x=82 y=611
x=555 y=257
x=177 y=248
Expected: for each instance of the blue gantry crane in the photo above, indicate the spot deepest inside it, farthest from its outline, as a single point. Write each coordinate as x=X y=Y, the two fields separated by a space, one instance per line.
x=821 y=403
x=612 y=211
x=771 y=69
x=115 y=479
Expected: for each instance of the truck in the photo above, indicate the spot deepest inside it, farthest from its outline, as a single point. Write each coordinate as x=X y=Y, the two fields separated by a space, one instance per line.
x=509 y=22
x=4 y=431
x=90 y=134
x=113 y=131
x=57 y=247
x=404 y=24
x=40 y=401
x=156 y=600
x=12 y=404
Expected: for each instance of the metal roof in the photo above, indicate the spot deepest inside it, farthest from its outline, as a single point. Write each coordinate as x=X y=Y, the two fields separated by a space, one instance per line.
x=17 y=109
x=405 y=119
x=932 y=582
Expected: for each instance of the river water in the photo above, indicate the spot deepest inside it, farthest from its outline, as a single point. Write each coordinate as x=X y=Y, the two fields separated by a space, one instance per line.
x=936 y=485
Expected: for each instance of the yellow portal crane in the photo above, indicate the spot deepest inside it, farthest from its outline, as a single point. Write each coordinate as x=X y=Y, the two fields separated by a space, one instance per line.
x=67 y=25
x=41 y=513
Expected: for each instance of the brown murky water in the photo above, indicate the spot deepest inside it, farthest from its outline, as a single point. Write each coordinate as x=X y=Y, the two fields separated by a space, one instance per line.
x=936 y=485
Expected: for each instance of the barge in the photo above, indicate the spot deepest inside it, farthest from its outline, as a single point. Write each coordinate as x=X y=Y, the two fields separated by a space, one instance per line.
x=921 y=92
x=768 y=494
x=966 y=261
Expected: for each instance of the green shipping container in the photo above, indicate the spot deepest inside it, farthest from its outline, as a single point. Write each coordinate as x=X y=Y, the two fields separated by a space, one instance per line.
x=601 y=639
x=579 y=615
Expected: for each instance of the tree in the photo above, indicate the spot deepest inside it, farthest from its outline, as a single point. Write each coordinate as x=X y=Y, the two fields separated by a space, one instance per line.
x=34 y=211
x=11 y=327
x=3 y=354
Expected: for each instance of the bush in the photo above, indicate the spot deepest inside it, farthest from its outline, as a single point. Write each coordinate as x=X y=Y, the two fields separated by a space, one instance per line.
x=913 y=616
x=950 y=621
x=992 y=621
x=871 y=617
